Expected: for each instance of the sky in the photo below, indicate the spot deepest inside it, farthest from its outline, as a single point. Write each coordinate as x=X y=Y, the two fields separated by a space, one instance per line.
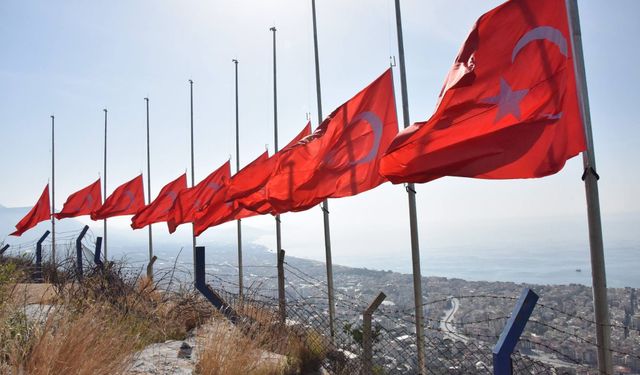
x=72 y=59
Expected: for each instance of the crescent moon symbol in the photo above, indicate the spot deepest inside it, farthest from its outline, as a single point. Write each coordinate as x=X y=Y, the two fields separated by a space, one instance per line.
x=173 y=196
x=542 y=33
x=376 y=125
x=214 y=186
x=131 y=198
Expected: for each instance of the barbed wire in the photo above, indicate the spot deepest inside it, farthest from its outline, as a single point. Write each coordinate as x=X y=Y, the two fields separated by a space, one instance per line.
x=580 y=338
x=586 y=320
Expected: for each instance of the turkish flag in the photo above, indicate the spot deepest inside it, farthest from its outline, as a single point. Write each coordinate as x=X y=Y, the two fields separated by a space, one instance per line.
x=250 y=178
x=127 y=199
x=508 y=108
x=158 y=210
x=219 y=212
x=223 y=206
x=40 y=212
x=252 y=195
x=194 y=199
x=341 y=158
x=82 y=202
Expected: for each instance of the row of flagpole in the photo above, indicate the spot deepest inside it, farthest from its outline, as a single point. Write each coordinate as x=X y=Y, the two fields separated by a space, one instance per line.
x=590 y=179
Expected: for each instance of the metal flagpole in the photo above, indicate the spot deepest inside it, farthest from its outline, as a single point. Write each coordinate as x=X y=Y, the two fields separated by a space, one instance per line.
x=150 y=268
x=240 y=278
x=104 y=187
x=325 y=203
x=413 y=217
x=193 y=175
x=53 y=190
x=590 y=177
x=281 y=297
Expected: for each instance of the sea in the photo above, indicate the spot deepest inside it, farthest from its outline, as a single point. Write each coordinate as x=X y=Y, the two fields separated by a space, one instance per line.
x=551 y=252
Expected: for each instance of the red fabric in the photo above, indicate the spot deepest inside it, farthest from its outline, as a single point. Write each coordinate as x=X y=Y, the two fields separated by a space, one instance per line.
x=82 y=202
x=219 y=212
x=197 y=198
x=508 y=108
x=40 y=212
x=341 y=158
x=158 y=210
x=223 y=206
x=256 y=200
x=250 y=178
x=127 y=199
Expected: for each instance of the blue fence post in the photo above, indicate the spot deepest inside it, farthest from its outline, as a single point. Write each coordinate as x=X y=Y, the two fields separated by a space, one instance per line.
x=4 y=248
x=96 y=254
x=37 y=275
x=210 y=294
x=512 y=331
x=79 y=252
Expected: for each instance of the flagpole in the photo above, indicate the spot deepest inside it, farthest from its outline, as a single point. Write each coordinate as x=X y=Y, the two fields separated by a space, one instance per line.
x=590 y=177
x=53 y=190
x=150 y=268
x=104 y=186
x=281 y=297
x=193 y=174
x=240 y=278
x=413 y=216
x=325 y=203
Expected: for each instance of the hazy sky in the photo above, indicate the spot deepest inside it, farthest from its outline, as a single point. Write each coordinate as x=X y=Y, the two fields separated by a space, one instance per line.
x=74 y=58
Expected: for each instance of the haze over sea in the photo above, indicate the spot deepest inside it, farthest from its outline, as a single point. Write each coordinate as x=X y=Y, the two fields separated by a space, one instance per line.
x=533 y=250
x=549 y=251
x=536 y=251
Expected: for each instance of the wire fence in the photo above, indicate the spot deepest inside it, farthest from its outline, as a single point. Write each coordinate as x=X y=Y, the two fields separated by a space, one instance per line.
x=555 y=341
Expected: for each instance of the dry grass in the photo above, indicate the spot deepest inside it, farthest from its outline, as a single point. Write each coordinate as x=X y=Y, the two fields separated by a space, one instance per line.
x=95 y=325
x=259 y=345
x=95 y=342
x=98 y=324
x=227 y=350
x=151 y=313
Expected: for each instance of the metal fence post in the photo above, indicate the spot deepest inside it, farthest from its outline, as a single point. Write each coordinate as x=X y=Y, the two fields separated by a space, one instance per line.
x=37 y=275
x=79 y=251
x=96 y=255
x=367 y=339
x=150 y=267
x=201 y=284
x=4 y=248
x=512 y=331
x=282 y=304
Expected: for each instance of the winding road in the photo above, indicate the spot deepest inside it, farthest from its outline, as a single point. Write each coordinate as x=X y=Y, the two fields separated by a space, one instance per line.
x=447 y=324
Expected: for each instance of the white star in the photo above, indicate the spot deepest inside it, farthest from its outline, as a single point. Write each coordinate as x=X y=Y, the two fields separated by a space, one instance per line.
x=508 y=101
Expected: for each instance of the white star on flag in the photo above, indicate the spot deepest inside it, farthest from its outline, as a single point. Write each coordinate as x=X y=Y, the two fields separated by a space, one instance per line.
x=508 y=101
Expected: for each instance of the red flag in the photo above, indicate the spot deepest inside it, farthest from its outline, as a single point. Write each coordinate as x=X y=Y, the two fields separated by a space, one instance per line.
x=194 y=199
x=508 y=108
x=250 y=178
x=257 y=200
x=158 y=210
x=341 y=158
x=40 y=212
x=82 y=202
x=219 y=212
x=223 y=206
x=127 y=199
